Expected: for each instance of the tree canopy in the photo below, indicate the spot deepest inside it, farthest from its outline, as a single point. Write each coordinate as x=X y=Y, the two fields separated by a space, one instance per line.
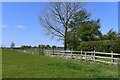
x=82 y=28
x=111 y=35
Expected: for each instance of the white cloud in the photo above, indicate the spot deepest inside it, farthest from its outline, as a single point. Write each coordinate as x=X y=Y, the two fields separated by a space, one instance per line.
x=20 y=27
x=4 y=26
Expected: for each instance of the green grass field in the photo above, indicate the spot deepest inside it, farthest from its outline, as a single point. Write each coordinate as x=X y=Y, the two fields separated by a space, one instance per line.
x=0 y=63
x=20 y=65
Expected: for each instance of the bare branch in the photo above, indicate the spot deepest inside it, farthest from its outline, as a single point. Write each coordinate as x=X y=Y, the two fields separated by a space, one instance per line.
x=58 y=17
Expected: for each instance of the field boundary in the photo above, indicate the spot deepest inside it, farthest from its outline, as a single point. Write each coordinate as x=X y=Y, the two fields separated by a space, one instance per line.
x=109 y=58
x=85 y=55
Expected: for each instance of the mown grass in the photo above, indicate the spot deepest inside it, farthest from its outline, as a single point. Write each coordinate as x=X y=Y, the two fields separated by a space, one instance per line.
x=20 y=65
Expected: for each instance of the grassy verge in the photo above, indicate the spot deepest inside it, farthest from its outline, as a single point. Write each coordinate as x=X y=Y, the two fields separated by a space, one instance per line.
x=20 y=65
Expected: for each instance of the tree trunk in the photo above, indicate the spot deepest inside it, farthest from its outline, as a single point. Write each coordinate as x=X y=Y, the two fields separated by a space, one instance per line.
x=65 y=40
x=65 y=44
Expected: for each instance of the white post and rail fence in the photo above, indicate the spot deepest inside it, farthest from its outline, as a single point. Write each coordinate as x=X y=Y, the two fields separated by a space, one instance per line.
x=110 y=58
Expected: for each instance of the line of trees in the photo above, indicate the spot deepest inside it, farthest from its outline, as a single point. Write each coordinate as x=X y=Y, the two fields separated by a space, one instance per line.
x=42 y=46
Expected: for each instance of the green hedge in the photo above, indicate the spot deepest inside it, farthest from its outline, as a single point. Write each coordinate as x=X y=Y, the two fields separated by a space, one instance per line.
x=101 y=46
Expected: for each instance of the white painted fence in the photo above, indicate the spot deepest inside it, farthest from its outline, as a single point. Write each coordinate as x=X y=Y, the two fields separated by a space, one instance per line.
x=85 y=55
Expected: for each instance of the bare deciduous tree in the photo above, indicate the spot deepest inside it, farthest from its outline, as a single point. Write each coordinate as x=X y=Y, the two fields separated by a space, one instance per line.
x=58 y=17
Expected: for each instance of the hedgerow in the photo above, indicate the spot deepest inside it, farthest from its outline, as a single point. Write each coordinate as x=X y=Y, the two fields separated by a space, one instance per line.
x=100 y=46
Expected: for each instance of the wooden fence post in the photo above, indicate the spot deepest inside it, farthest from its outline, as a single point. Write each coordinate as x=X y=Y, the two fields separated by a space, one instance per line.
x=81 y=55
x=71 y=51
x=53 y=51
x=85 y=57
x=94 y=55
x=42 y=51
x=39 y=51
x=70 y=56
x=112 y=60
